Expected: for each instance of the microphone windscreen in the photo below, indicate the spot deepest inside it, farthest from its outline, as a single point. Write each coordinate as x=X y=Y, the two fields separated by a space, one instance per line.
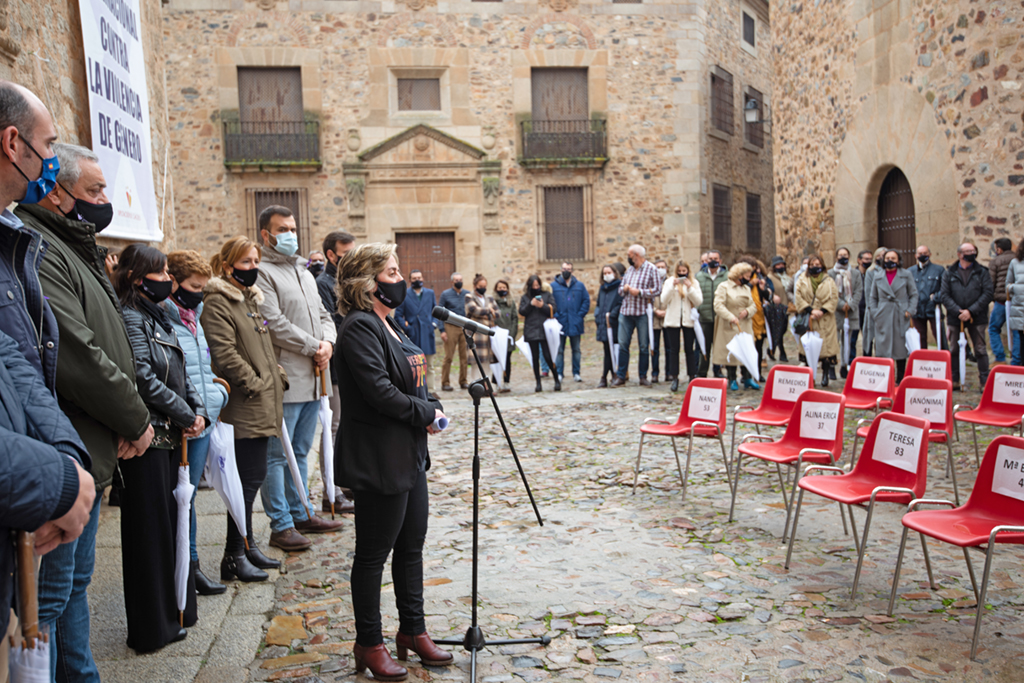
x=440 y=313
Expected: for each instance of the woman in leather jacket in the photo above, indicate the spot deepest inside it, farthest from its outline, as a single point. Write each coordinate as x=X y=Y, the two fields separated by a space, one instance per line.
x=149 y=512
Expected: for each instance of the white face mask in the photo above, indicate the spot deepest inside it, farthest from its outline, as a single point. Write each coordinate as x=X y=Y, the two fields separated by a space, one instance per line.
x=608 y=277
x=662 y=272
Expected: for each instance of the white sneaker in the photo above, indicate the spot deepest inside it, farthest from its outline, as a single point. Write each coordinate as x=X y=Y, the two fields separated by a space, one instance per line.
x=577 y=378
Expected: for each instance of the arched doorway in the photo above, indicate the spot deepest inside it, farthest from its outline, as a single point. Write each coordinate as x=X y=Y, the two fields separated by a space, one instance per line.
x=896 y=227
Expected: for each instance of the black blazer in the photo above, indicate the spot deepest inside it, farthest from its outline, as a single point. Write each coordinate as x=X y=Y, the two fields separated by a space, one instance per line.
x=382 y=439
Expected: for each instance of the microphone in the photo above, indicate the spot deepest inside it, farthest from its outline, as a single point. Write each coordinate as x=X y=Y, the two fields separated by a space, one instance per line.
x=447 y=316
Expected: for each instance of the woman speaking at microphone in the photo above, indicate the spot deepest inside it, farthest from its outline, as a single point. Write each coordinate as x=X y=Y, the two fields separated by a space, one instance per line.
x=381 y=454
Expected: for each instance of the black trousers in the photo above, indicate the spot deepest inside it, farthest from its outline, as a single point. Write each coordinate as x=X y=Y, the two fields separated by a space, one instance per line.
x=251 y=458
x=607 y=359
x=149 y=519
x=692 y=350
x=709 y=343
x=976 y=335
x=508 y=362
x=386 y=524
x=671 y=335
x=536 y=348
x=656 y=352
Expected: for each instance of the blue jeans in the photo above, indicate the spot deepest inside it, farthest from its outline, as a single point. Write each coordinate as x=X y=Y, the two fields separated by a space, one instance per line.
x=280 y=499
x=628 y=323
x=1017 y=341
x=197 y=452
x=995 y=326
x=64 y=576
x=574 y=344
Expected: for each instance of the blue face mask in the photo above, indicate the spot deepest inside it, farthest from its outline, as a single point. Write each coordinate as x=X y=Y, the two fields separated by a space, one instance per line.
x=42 y=186
x=287 y=243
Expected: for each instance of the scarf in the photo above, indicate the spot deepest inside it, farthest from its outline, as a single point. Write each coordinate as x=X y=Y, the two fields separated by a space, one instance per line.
x=816 y=280
x=844 y=281
x=158 y=314
x=188 y=318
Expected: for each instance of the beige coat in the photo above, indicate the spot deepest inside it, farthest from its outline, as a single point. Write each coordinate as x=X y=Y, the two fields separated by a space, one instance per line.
x=730 y=299
x=676 y=306
x=827 y=299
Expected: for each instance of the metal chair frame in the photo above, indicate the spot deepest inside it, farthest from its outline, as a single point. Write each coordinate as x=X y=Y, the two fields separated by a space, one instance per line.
x=689 y=450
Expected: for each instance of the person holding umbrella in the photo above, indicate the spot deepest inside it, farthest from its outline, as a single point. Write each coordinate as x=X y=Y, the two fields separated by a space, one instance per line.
x=242 y=354
x=508 y=320
x=893 y=302
x=606 y=317
x=966 y=292
x=481 y=308
x=382 y=455
x=680 y=295
x=818 y=292
x=536 y=306
x=734 y=313
x=148 y=511
x=849 y=283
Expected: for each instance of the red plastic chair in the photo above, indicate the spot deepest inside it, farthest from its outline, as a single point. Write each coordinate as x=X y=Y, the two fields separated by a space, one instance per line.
x=783 y=387
x=703 y=414
x=996 y=506
x=814 y=435
x=892 y=468
x=869 y=383
x=929 y=399
x=1002 y=404
x=930 y=364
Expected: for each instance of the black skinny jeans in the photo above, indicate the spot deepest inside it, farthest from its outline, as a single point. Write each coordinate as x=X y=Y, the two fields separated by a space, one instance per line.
x=671 y=335
x=536 y=348
x=251 y=458
x=384 y=524
x=692 y=350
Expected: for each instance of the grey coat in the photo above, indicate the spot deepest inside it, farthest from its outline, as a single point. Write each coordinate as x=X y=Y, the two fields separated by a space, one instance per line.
x=1015 y=294
x=869 y=329
x=890 y=306
x=856 y=284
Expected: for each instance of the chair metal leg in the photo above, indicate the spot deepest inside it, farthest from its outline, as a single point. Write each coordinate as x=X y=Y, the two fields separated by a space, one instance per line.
x=792 y=495
x=956 y=429
x=732 y=447
x=842 y=515
x=862 y=550
x=736 y=484
x=686 y=478
x=678 y=466
x=792 y=532
x=636 y=470
x=951 y=471
x=981 y=598
x=782 y=485
x=853 y=451
x=853 y=525
x=727 y=461
x=970 y=572
x=927 y=562
x=974 y=433
x=896 y=574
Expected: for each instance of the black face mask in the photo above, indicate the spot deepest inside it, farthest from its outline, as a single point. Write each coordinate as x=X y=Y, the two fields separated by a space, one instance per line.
x=865 y=264
x=970 y=258
x=878 y=261
x=566 y=275
x=417 y=284
x=457 y=285
x=186 y=299
x=712 y=264
x=891 y=265
x=246 y=278
x=100 y=215
x=923 y=259
x=502 y=293
x=155 y=290
x=481 y=290
x=629 y=260
x=535 y=292
x=316 y=268
x=391 y=294
x=815 y=270
x=843 y=261
x=744 y=281
x=781 y=270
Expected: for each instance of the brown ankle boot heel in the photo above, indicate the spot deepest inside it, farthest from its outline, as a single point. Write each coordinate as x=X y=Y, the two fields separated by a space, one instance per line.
x=378 y=660
x=429 y=653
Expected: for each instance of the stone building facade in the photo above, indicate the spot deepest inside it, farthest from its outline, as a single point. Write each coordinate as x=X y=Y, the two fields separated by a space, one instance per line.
x=929 y=90
x=496 y=137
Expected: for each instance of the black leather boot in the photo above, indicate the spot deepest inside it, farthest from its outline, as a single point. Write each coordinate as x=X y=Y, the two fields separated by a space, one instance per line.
x=204 y=584
x=258 y=559
x=826 y=370
x=539 y=387
x=558 y=383
x=238 y=566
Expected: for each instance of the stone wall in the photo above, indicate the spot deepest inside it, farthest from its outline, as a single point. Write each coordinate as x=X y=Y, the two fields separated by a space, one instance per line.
x=930 y=86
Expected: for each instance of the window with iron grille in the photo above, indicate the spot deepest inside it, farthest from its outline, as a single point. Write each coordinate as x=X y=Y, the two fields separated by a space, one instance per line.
x=749 y=33
x=293 y=199
x=721 y=100
x=566 y=222
x=722 y=215
x=419 y=94
x=754 y=222
x=754 y=132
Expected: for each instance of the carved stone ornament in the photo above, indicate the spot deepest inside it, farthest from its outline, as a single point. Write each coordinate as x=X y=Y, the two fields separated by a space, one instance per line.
x=9 y=49
x=559 y=5
x=421 y=143
x=415 y=5
x=356 y=189
x=354 y=142
x=488 y=140
x=266 y=4
x=492 y=190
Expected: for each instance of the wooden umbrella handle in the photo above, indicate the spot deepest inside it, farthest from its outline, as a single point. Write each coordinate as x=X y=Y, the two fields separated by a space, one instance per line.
x=223 y=383
x=184 y=451
x=28 y=597
x=323 y=382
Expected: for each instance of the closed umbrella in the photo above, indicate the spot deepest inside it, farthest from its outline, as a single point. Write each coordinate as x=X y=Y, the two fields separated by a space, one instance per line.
x=742 y=348
x=611 y=341
x=183 y=494
x=650 y=330
x=222 y=473
x=293 y=466
x=30 y=655
x=846 y=341
x=939 y=333
x=524 y=348
x=553 y=333
x=327 y=444
x=913 y=339
x=698 y=331
x=963 y=356
x=812 y=342
x=499 y=345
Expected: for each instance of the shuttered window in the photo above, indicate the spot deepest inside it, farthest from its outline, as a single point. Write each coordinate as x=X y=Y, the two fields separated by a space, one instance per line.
x=269 y=95
x=419 y=94
x=722 y=215
x=293 y=199
x=566 y=222
x=749 y=34
x=721 y=100
x=754 y=222
x=754 y=132
x=559 y=95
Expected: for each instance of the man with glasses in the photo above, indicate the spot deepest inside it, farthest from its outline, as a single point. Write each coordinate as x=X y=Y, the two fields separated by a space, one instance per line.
x=966 y=292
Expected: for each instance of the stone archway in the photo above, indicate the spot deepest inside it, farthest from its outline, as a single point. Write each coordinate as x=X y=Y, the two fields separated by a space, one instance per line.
x=895 y=128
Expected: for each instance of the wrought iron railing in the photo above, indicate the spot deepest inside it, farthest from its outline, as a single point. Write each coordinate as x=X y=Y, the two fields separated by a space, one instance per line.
x=583 y=139
x=272 y=142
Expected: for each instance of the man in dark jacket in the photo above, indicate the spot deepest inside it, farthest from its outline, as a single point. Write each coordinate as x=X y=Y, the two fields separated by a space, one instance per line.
x=454 y=300
x=336 y=245
x=966 y=293
x=997 y=268
x=414 y=316
x=709 y=280
x=95 y=380
x=928 y=277
x=572 y=303
x=44 y=488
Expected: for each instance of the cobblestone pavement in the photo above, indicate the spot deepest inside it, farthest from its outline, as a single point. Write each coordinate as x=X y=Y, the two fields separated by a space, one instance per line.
x=631 y=587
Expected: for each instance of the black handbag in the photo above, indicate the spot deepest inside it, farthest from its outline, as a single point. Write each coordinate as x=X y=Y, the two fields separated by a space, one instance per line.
x=802 y=321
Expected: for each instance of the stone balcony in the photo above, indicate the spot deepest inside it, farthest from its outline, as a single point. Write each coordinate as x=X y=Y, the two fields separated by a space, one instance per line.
x=579 y=143
x=268 y=146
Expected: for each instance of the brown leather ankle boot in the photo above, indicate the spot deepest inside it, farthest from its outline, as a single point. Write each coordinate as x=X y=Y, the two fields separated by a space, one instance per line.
x=430 y=654
x=378 y=660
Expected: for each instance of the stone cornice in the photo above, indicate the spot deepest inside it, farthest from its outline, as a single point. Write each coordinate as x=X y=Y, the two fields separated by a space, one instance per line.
x=421 y=129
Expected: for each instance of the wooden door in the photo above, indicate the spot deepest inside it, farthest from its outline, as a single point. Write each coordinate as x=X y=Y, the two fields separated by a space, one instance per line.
x=896 y=225
x=434 y=254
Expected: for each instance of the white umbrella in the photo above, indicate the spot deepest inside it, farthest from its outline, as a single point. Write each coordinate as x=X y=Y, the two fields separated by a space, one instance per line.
x=524 y=348
x=289 y=454
x=553 y=333
x=182 y=558
x=499 y=345
x=812 y=350
x=846 y=341
x=742 y=348
x=611 y=341
x=222 y=473
x=698 y=331
x=913 y=339
x=29 y=659
x=650 y=330
x=327 y=443
x=939 y=332
x=963 y=355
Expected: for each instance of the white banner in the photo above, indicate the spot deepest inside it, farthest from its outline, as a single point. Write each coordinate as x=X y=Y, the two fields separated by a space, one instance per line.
x=119 y=115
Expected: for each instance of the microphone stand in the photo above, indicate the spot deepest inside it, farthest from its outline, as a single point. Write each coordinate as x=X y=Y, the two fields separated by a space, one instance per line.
x=474 y=640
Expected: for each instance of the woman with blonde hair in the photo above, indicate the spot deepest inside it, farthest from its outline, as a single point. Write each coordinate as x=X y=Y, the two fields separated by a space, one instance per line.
x=734 y=313
x=817 y=292
x=679 y=296
x=242 y=354
x=381 y=454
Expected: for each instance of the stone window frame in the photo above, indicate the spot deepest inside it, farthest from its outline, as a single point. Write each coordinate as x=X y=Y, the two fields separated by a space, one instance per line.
x=436 y=117
x=754 y=134
x=388 y=64
x=748 y=10
x=230 y=58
